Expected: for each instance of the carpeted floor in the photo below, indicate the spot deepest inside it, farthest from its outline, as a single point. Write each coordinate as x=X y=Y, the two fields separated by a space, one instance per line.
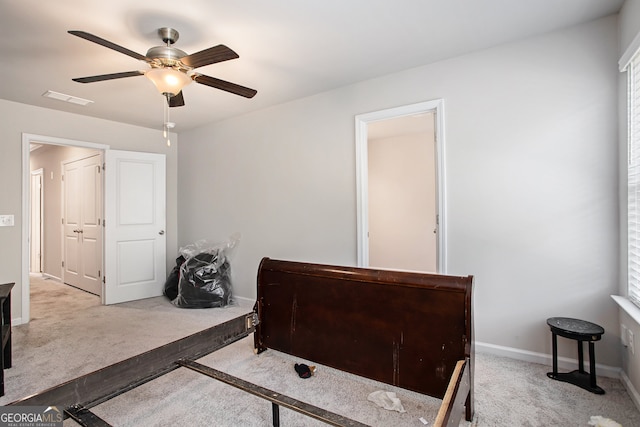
x=515 y=393
x=72 y=334
x=207 y=402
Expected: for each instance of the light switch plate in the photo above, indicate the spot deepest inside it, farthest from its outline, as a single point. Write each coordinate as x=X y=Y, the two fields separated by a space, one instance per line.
x=6 y=220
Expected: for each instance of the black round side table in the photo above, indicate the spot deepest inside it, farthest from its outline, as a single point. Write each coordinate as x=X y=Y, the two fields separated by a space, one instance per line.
x=579 y=330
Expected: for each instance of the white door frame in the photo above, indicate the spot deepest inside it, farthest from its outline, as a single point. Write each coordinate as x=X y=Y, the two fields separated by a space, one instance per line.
x=35 y=245
x=362 y=175
x=27 y=140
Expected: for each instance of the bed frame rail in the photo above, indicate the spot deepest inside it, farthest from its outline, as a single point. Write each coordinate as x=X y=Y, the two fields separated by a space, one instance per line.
x=454 y=400
x=94 y=388
x=275 y=398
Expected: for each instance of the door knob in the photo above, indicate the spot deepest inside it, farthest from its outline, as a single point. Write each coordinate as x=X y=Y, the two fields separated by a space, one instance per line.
x=161 y=232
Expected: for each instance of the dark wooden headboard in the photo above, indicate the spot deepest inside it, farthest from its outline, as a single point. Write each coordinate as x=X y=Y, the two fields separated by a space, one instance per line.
x=401 y=328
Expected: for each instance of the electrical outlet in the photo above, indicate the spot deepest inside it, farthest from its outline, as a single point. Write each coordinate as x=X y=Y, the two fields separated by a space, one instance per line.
x=630 y=341
x=6 y=220
x=623 y=334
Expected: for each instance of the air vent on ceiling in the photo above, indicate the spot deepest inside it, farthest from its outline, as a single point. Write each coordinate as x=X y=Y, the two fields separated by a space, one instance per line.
x=67 y=98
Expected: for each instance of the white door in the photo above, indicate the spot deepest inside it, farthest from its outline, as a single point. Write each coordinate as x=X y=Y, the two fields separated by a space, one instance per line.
x=135 y=241
x=82 y=227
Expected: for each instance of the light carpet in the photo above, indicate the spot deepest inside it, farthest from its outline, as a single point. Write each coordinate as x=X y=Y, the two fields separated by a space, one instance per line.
x=72 y=334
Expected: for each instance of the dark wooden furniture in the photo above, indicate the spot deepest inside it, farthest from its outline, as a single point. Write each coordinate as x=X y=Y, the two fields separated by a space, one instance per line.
x=579 y=330
x=5 y=331
x=406 y=329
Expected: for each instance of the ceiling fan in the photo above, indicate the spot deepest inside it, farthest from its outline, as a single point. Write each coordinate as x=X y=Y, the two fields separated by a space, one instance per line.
x=171 y=68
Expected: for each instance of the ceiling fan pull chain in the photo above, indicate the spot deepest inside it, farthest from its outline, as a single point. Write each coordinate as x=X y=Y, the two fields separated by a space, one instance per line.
x=166 y=120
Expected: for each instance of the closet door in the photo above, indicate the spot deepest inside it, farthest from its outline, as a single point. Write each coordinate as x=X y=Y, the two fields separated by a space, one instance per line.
x=82 y=224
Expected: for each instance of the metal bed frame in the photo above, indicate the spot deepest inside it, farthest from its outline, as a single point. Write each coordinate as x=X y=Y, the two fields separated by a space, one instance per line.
x=79 y=395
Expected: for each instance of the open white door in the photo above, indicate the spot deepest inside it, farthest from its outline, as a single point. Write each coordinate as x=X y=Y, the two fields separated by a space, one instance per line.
x=135 y=217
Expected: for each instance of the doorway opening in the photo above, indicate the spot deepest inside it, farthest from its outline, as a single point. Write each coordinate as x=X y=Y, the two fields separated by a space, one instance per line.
x=400 y=188
x=73 y=149
x=133 y=260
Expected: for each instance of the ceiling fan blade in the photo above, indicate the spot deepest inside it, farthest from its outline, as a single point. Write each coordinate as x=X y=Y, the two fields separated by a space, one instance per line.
x=103 y=77
x=209 y=56
x=176 y=100
x=110 y=45
x=225 y=85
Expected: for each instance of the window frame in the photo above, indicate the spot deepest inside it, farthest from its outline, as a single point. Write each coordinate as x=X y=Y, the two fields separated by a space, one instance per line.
x=632 y=67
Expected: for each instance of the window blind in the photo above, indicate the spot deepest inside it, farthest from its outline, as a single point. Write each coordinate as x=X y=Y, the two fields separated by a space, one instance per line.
x=633 y=178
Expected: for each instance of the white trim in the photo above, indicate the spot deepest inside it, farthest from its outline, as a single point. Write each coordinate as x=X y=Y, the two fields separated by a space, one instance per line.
x=361 y=124
x=362 y=191
x=564 y=363
x=244 y=302
x=27 y=139
x=633 y=393
x=630 y=308
x=631 y=50
x=38 y=172
x=51 y=276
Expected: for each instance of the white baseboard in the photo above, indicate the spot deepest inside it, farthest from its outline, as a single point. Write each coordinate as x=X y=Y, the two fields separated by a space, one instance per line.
x=564 y=363
x=16 y=321
x=633 y=393
x=51 y=276
x=46 y=276
x=244 y=302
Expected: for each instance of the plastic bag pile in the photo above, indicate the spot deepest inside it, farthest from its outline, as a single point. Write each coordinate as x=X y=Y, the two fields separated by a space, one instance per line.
x=202 y=275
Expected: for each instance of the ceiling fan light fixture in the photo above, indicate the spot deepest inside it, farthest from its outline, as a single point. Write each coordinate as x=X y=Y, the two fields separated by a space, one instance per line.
x=168 y=80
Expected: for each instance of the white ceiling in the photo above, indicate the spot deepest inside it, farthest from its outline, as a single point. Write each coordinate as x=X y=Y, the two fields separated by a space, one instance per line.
x=288 y=48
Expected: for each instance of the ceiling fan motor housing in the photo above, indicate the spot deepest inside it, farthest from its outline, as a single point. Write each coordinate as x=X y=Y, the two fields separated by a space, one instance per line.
x=168 y=35
x=167 y=56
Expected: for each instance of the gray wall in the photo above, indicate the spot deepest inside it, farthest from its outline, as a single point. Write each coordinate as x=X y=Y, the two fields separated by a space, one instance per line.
x=402 y=202
x=17 y=119
x=531 y=180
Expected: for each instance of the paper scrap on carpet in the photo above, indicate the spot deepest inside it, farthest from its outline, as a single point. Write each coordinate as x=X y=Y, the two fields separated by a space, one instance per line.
x=387 y=400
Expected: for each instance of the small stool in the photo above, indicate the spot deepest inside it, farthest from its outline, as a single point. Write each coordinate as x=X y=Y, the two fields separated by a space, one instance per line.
x=579 y=330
